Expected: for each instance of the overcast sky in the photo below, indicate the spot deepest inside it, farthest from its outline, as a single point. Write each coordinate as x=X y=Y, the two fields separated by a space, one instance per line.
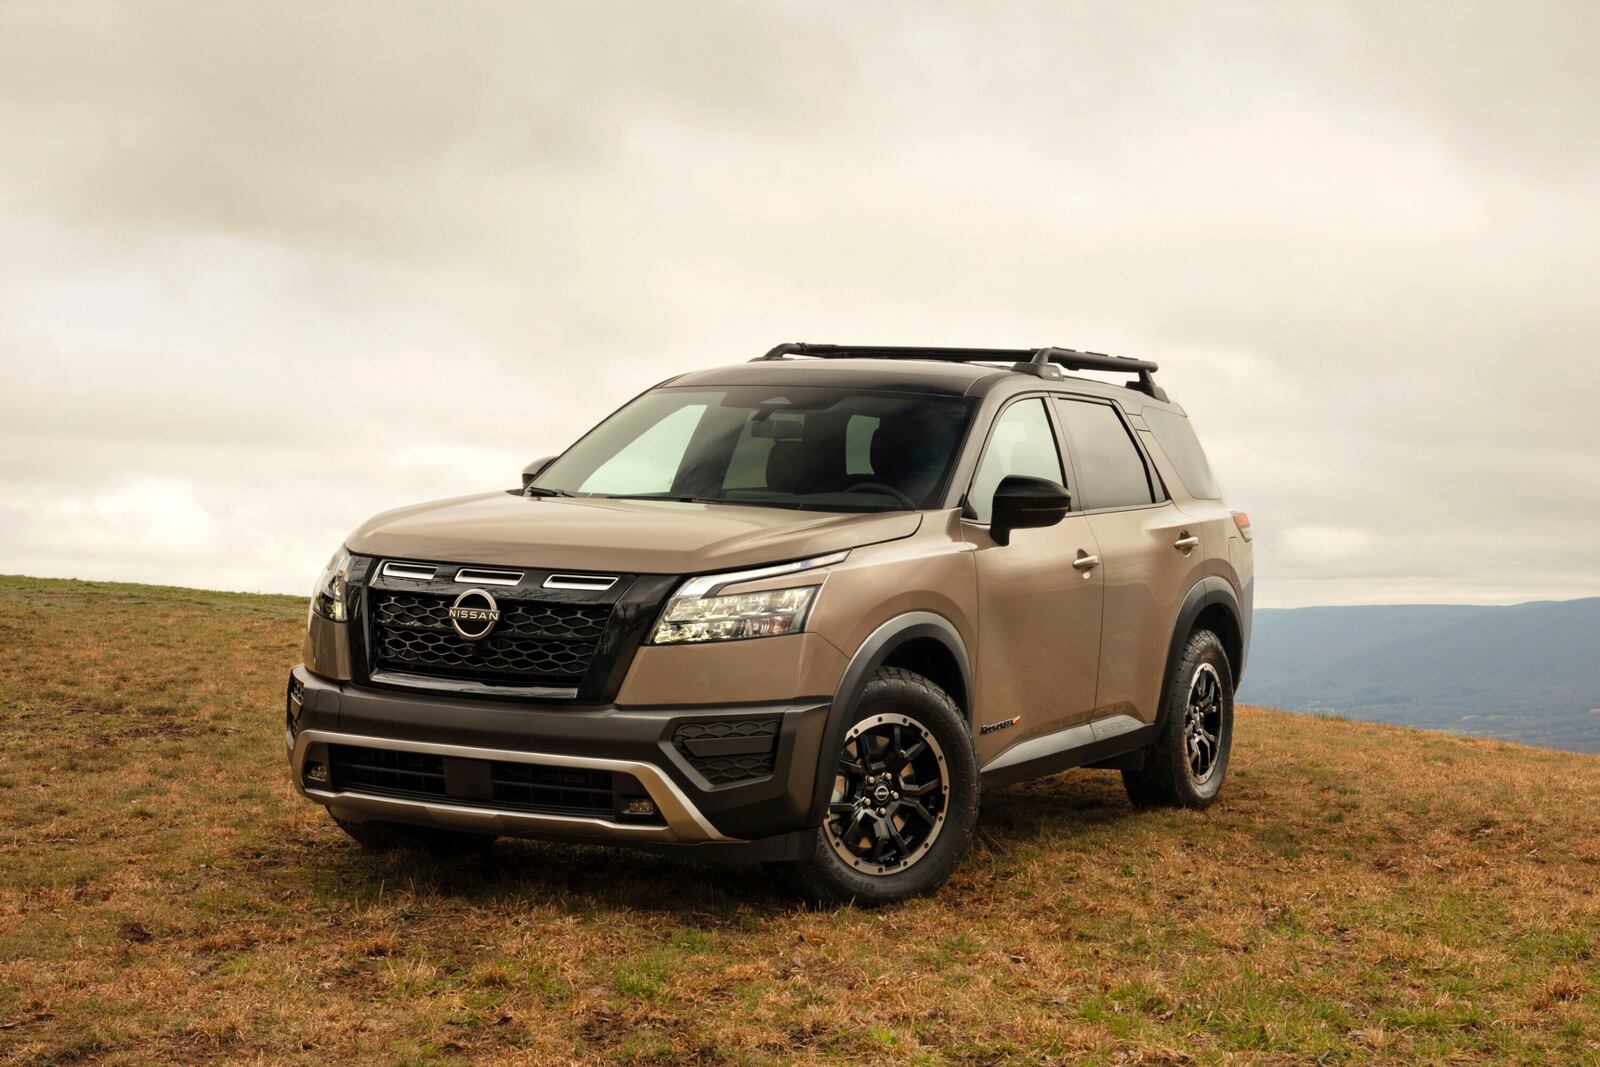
x=268 y=269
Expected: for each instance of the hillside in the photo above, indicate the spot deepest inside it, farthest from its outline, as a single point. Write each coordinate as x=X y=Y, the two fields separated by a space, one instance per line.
x=1363 y=893
x=1526 y=673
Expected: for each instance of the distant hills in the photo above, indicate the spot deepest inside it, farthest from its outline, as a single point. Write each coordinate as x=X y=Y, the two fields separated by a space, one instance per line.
x=1528 y=672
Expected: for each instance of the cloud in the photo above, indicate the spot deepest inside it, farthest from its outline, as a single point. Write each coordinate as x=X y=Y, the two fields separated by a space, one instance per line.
x=308 y=267
x=1321 y=544
x=148 y=520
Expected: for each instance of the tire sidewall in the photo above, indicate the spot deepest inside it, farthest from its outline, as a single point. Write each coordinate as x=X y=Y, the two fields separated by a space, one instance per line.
x=1204 y=649
x=903 y=693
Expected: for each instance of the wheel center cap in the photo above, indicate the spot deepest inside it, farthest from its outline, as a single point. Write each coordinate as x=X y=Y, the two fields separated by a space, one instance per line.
x=881 y=793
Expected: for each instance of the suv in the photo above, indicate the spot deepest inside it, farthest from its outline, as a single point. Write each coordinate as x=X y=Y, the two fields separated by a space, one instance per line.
x=801 y=610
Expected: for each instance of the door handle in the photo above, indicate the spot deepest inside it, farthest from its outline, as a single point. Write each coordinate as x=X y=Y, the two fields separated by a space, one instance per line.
x=1186 y=542
x=1086 y=562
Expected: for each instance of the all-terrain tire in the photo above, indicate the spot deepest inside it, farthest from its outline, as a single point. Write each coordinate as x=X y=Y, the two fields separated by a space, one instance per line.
x=899 y=697
x=1168 y=775
x=388 y=836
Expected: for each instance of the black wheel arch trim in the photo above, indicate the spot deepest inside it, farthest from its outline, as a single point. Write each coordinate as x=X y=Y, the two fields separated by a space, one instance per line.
x=873 y=653
x=1208 y=591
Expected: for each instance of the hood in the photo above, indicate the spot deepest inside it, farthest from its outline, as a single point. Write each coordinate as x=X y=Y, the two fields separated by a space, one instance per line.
x=633 y=536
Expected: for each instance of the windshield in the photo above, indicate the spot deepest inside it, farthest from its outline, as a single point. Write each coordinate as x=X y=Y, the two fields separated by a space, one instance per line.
x=818 y=448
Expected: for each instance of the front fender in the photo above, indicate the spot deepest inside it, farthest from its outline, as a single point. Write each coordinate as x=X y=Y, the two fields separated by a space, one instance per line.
x=1208 y=592
x=871 y=655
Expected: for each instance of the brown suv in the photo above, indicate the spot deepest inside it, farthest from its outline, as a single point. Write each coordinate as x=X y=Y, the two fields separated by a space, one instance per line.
x=800 y=610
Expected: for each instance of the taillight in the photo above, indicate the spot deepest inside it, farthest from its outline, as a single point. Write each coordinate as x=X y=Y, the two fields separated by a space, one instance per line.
x=1242 y=521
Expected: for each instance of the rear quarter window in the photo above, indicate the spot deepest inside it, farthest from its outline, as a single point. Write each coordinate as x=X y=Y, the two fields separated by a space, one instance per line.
x=1177 y=439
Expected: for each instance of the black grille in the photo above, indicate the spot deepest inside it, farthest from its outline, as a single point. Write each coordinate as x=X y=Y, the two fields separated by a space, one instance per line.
x=381 y=772
x=533 y=644
x=535 y=787
x=496 y=784
x=729 y=750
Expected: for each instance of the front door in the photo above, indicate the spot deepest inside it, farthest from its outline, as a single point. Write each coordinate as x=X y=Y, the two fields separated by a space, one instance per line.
x=1038 y=612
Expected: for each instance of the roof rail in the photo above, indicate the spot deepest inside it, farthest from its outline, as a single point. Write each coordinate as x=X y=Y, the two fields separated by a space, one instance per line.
x=1040 y=362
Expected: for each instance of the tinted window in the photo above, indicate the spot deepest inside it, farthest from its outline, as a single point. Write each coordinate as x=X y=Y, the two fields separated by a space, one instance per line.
x=1177 y=439
x=1111 y=472
x=1021 y=443
x=827 y=449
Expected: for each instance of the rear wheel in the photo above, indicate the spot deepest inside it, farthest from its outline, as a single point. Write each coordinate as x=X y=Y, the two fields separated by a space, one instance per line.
x=1186 y=765
x=904 y=797
x=388 y=836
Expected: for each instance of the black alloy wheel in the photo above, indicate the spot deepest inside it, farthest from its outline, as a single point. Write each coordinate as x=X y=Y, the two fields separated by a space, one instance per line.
x=1202 y=723
x=889 y=795
x=903 y=798
x=1187 y=763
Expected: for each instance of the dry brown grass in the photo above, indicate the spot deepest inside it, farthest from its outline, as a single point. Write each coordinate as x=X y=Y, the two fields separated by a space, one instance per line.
x=1362 y=894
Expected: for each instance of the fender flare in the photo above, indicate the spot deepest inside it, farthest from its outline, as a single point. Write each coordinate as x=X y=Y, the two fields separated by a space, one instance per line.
x=1205 y=593
x=877 y=648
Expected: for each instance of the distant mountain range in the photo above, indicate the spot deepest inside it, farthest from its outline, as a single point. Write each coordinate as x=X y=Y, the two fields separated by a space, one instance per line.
x=1528 y=673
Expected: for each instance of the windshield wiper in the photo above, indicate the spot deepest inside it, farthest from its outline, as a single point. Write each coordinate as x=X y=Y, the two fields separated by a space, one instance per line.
x=739 y=502
x=539 y=490
x=665 y=496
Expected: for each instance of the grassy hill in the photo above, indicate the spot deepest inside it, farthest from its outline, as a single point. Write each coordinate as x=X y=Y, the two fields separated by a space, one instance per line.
x=1363 y=893
x=1524 y=672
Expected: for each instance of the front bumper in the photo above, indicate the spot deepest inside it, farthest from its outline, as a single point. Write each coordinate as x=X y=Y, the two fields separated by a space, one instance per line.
x=465 y=734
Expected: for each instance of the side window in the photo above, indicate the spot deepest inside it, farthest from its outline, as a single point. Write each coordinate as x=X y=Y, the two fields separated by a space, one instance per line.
x=1111 y=470
x=1022 y=442
x=1176 y=437
x=650 y=462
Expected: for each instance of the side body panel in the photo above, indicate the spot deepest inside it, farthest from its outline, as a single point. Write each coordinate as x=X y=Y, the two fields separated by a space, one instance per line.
x=732 y=672
x=1227 y=556
x=1146 y=578
x=1040 y=647
x=931 y=571
x=326 y=650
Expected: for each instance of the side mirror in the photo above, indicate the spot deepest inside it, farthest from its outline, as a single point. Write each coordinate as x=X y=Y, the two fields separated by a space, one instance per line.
x=534 y=469
x=1023 y=503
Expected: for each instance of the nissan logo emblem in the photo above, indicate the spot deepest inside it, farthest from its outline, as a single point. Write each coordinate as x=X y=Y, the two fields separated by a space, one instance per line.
x=474 y=614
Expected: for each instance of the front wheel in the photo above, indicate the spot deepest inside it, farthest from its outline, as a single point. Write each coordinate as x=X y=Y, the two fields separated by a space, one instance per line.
x=904 y=798
x=1186 y=765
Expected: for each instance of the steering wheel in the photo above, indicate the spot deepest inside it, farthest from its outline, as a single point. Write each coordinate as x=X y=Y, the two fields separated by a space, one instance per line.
x=887 y=490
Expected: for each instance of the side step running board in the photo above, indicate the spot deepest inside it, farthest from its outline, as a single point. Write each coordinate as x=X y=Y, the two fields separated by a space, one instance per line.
x=1071 y=747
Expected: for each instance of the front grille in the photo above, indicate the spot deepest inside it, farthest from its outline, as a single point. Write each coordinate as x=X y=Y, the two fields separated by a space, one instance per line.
x=729 y=750
x=494 y=784
x=535 y=787
x=534 y=644
x=381 y=772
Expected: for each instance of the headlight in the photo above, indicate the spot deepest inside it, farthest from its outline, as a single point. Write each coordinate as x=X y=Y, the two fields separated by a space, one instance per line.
x=327 y=596
x=695 y=613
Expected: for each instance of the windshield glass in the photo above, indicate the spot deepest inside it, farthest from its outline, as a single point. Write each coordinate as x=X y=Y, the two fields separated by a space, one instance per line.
x=818 y=448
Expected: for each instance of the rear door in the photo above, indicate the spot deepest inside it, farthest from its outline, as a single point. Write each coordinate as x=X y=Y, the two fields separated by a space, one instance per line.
x=1038 y=614
x=1150 y=554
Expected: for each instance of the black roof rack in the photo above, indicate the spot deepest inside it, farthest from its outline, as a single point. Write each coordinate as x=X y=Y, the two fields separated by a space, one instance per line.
x=1040 y=362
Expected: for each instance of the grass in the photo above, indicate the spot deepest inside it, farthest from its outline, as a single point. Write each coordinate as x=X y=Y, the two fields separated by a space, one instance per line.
x=1362 y=894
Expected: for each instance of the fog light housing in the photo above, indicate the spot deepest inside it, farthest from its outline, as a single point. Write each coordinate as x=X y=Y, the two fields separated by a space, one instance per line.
x=316 y=771
x=638 y=806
